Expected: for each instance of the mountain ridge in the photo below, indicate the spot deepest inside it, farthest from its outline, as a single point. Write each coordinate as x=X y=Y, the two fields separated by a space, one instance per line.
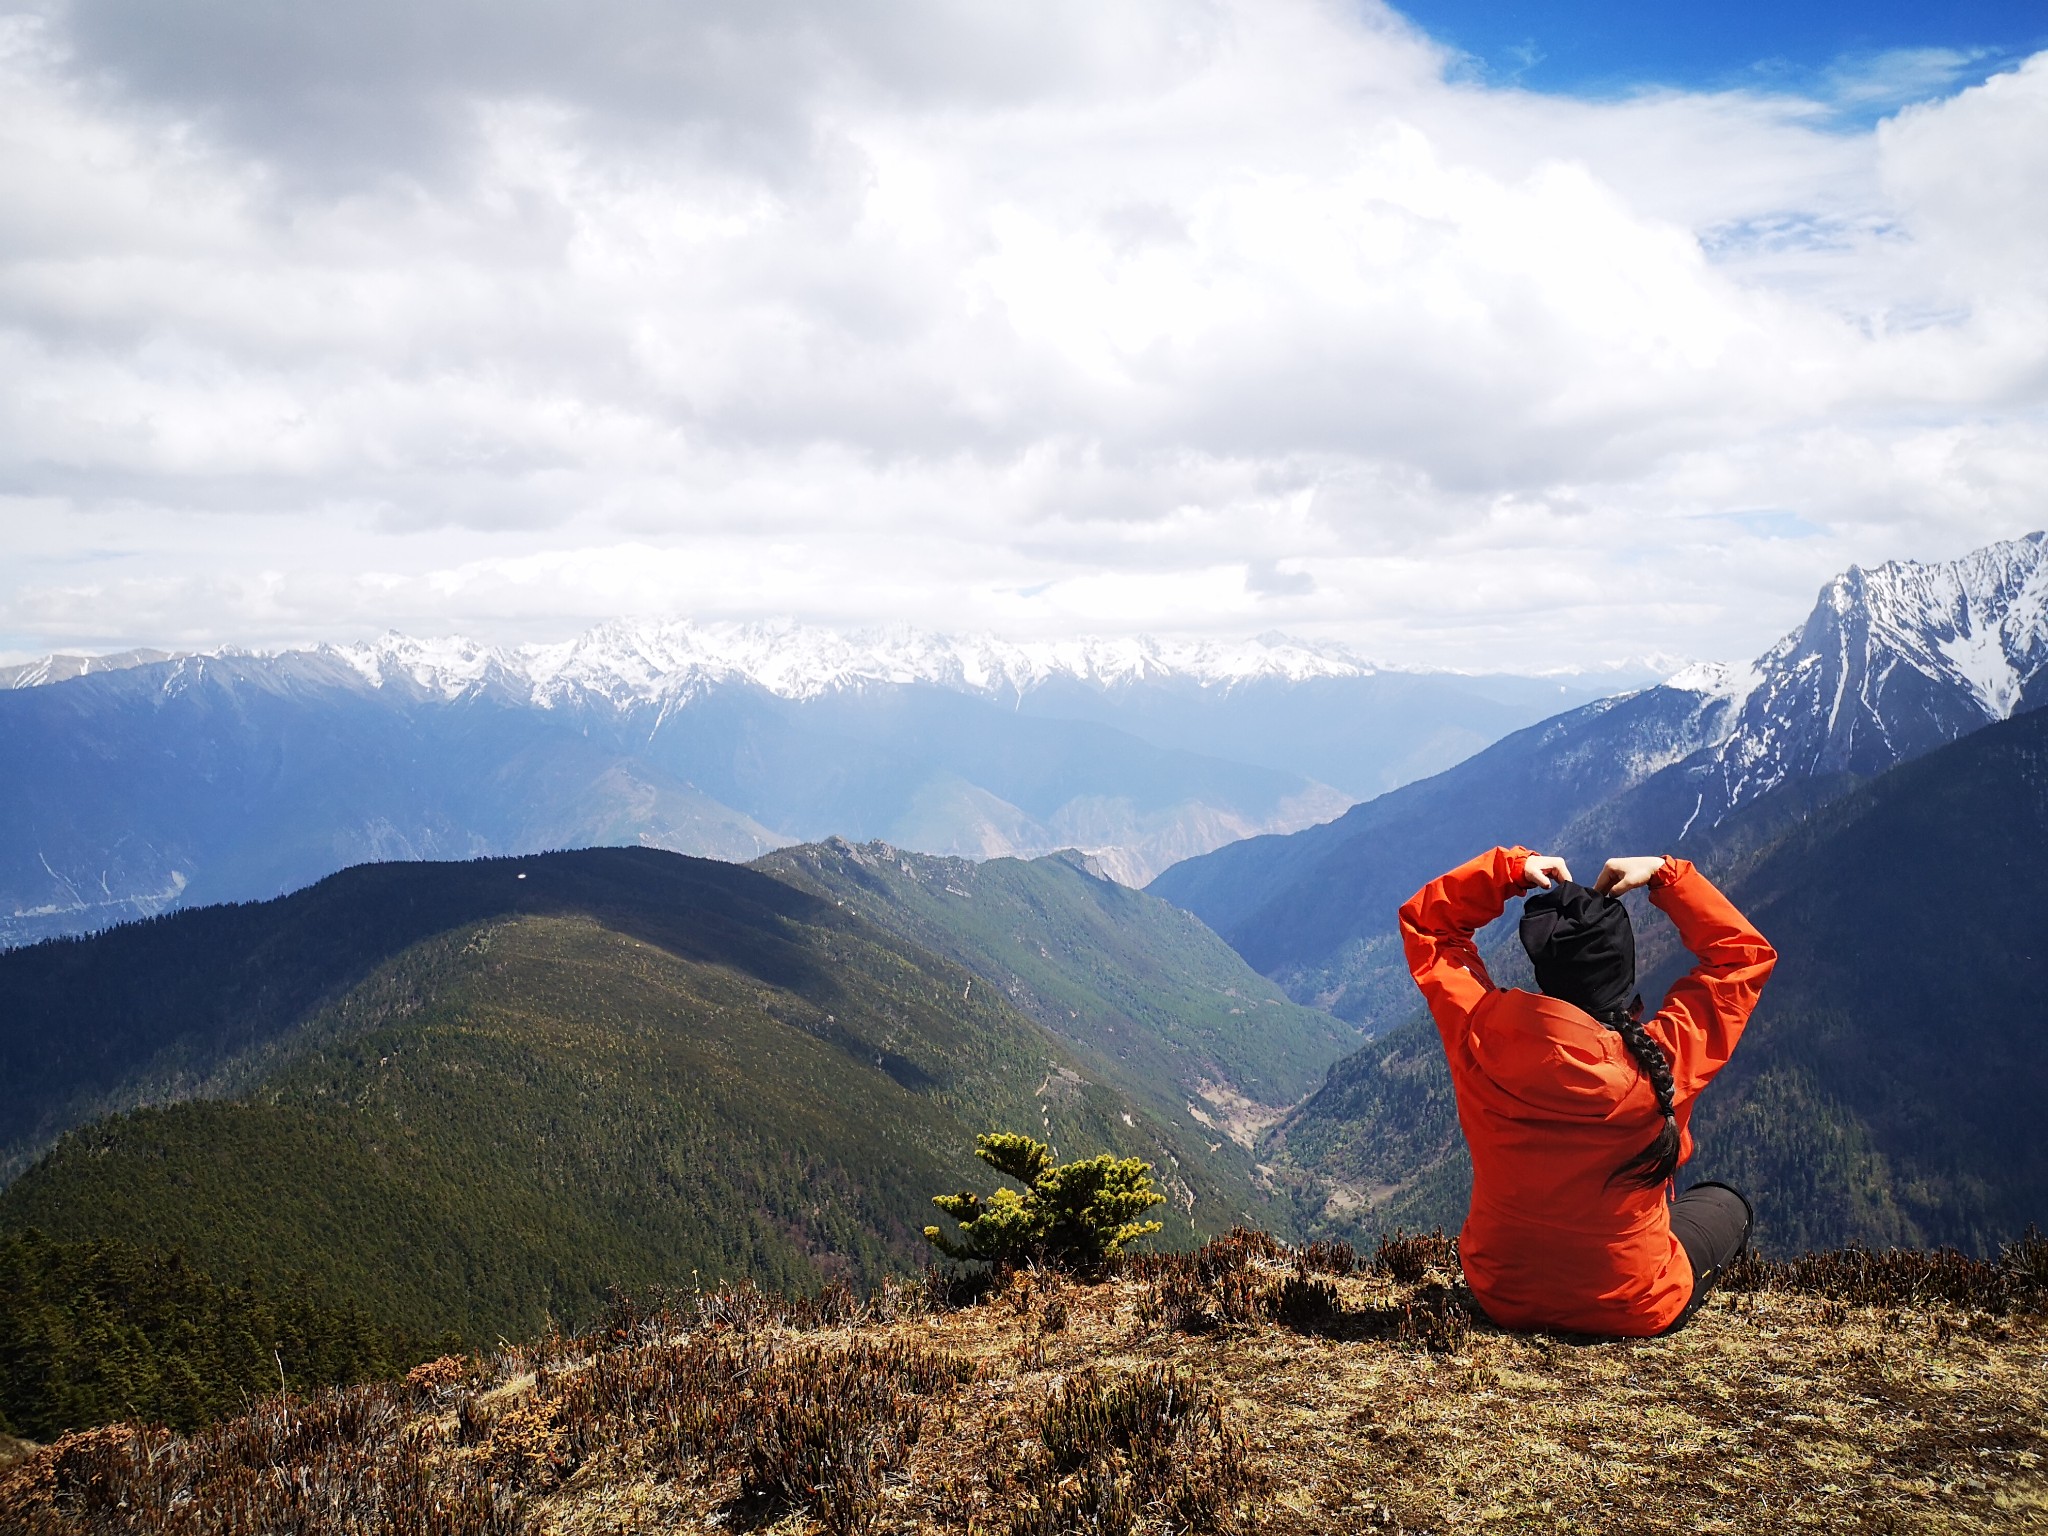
x=1157 y=1003
x=638 y=661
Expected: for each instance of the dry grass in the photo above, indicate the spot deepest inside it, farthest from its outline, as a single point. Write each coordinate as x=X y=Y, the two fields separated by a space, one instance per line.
x=1247 y=1387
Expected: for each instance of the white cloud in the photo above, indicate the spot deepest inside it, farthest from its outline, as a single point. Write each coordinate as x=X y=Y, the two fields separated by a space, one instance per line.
x=1222 y=317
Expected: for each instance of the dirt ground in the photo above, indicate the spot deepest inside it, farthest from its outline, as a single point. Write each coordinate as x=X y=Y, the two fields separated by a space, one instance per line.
x=1258 y=1393
x=1769 y=1412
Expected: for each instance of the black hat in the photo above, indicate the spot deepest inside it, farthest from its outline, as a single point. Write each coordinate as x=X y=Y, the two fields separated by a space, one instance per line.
x=1583 y=947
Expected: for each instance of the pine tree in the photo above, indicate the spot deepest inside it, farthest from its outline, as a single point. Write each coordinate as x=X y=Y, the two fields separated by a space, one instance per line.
x=1072 y=1216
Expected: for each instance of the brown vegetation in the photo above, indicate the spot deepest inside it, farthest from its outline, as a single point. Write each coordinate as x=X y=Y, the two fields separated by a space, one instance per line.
x=1245 y=1386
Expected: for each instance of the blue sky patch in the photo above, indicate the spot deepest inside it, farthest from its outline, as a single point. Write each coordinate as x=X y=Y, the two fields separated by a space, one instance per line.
x=1866 y=59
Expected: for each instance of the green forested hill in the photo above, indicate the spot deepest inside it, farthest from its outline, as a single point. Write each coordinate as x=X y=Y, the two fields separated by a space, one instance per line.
x=1151 y=997
x=194 y=1002
x=623 y=1068
x=97 y=1331
x=1889 y=1088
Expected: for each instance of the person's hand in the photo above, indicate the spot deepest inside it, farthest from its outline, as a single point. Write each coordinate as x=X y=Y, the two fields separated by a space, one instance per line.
x=1541 y=868
x=1620 y=876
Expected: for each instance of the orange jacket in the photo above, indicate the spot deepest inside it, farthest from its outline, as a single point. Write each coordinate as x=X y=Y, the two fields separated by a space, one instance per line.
x=1552 y=1103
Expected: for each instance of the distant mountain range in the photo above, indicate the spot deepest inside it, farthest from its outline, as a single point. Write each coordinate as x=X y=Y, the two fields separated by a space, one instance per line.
x=145 y=782
x=1889 y=1088
x=472 y=1097
x=1891 y=664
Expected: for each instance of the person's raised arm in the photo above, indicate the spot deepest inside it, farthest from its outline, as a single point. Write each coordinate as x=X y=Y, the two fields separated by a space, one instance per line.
x=1438 y=923
x=1704 y=1013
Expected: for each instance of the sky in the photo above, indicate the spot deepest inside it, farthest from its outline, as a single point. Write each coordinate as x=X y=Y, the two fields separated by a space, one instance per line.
x=1521 y=337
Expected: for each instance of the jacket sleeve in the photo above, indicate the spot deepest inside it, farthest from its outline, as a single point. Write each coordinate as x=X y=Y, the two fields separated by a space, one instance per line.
x=1437 y=925
x=1704 y=1012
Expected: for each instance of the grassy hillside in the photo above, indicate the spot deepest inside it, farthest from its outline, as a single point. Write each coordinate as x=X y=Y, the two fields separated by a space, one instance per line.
x=1888 y=1089
x=649 y=1066
x=1154 y=1000
x=1245 y=1389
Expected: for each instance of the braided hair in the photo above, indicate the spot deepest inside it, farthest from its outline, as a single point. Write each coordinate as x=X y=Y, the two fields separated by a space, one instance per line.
x=1659 y=1160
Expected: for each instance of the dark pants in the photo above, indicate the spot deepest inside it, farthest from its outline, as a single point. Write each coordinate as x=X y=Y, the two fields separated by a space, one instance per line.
x=1711 y=1223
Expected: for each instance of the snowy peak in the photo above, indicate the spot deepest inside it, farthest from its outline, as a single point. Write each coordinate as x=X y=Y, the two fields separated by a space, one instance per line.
x=626 y=663
x=1981 y=621
x=1716 y=679
x=61 y=668
x=451 y=667
x=1892 y=662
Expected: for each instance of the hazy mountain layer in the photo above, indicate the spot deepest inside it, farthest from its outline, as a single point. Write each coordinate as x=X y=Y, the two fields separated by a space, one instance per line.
x=140 y=783
x=1315 y=910
x=625 y=1067
x=219 y=779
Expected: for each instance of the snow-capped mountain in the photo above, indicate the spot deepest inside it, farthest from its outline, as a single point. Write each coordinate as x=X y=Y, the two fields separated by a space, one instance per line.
x=144 y=782
x=1891 y=663
x=639 y=662
x=62 y=668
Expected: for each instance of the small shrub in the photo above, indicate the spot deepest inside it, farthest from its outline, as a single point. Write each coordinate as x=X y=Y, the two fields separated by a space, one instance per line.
x=1214 y=1286
x=827 y=1425
x=1329 y=1258
x=473 y=1422
x=681 y=1398
x=1306 y=1305
x=435 y=1376
x=354 y=1466
x=1409 y=1258
x=1436 y=1320
x=1074 y=1216
x=1906 y=1277
x=525 y=1447
x=2025 y=1264
x=948 y=1290
x=1148 y=1450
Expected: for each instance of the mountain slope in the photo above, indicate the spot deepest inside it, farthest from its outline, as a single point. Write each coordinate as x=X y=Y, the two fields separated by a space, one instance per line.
x=1890 y=664
x=198 y=1001
x=1888 y=1089
x=1315 y=910
x=1158 y=1003
x=1907 y=1021
x=625 y=1067
x=91 y=1333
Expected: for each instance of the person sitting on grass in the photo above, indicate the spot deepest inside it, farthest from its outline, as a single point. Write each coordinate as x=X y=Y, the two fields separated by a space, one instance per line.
x=1576 y=1108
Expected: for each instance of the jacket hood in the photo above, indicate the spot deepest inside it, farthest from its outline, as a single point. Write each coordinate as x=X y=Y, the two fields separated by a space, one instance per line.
x=1552 y=1056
